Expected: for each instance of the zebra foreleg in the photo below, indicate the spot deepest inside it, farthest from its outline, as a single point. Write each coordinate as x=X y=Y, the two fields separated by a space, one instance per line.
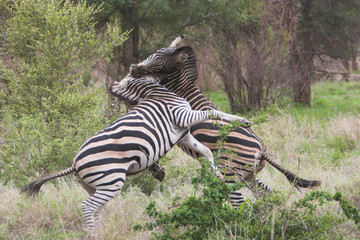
x=230 y=117
x=190 y=142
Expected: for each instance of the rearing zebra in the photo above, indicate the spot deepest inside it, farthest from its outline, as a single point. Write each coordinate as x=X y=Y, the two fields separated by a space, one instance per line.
x=132 y=143
x=175 y=67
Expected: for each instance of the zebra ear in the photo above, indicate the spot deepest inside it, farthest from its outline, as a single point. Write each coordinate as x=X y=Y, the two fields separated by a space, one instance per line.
x=182 y=54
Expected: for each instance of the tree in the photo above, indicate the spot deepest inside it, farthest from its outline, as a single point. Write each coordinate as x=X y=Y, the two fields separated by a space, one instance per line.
x=318 y=27
x=249 y=51
x=299 y=22
x=235 y=23
x=152 y=22
x=336 y=29
x=48 y=109
x=261 y=48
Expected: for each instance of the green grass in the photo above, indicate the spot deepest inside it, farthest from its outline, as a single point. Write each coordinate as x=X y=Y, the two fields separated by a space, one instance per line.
x=220 y=100
x=330 y=99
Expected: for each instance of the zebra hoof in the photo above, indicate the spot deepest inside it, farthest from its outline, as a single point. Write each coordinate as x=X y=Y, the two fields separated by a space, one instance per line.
x=157 y=172
x=245 y=123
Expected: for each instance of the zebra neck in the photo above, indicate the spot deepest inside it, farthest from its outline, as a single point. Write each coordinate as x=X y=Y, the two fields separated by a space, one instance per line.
x=158 y=92
x=192 y=94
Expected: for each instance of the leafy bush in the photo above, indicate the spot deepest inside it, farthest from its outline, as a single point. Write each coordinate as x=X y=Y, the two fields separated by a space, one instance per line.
x=46 y=109
x=207 y=216
x=197 y=216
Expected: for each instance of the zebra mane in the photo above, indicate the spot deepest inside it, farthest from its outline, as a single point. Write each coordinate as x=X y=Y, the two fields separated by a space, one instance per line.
x=182 y=80
x=138 y=89
x=189 y=68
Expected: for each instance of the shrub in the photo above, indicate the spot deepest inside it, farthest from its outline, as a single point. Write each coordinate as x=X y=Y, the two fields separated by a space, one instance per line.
x=46 y=108
x=206 y=215
x=200 y=214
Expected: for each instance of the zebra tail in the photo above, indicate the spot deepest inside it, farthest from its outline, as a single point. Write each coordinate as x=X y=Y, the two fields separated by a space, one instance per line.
x=291 y=177
x=33 y=188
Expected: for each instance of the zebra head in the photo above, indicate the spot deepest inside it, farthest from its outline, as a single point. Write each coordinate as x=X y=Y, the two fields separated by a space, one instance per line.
x=133 y=90
x=162 y=61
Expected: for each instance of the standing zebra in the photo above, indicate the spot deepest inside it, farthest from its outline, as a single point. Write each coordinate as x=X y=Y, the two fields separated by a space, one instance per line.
x=132 y=143
x=175 y=68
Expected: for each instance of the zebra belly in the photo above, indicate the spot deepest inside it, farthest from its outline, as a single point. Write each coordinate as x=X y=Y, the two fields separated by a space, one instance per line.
x=107 y=174
x=242 y=148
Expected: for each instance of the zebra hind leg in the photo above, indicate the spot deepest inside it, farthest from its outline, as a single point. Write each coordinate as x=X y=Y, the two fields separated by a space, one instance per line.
x=93 y=207
x=260 y=188
x=98 y=215
x=236 y=199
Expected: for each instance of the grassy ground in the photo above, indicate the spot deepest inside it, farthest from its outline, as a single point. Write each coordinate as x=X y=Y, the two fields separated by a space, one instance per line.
x=319 y=142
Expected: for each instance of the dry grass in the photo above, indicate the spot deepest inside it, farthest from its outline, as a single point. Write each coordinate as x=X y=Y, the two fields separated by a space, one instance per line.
x=56 y=214
x=329 y=152
x=311 y=149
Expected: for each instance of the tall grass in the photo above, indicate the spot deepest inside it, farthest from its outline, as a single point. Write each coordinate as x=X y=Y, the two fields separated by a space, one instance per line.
x=320 y=142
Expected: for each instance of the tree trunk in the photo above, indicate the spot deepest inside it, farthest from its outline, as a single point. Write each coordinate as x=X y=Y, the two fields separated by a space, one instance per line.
x=354 y=64
x=302 y=85
x=130 y=54
x=346 y=64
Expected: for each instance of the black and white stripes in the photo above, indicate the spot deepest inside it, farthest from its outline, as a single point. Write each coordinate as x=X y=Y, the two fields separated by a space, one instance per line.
x=133 y=143
x=249 y=150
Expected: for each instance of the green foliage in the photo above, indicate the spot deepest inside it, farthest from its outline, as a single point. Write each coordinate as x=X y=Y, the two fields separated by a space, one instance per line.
x=350 y=211
x=225 y=15
x=207 y=216
x=199 y=215
x=34 y=146
x=49 y=41
x=45 y=106
x=331 y=19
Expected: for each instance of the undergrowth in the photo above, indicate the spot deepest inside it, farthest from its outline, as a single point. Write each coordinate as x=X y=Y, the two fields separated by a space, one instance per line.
x=208 y=216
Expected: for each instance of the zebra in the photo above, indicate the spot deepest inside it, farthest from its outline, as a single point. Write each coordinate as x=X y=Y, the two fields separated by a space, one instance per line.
x=132 y=143
x=175 y=68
